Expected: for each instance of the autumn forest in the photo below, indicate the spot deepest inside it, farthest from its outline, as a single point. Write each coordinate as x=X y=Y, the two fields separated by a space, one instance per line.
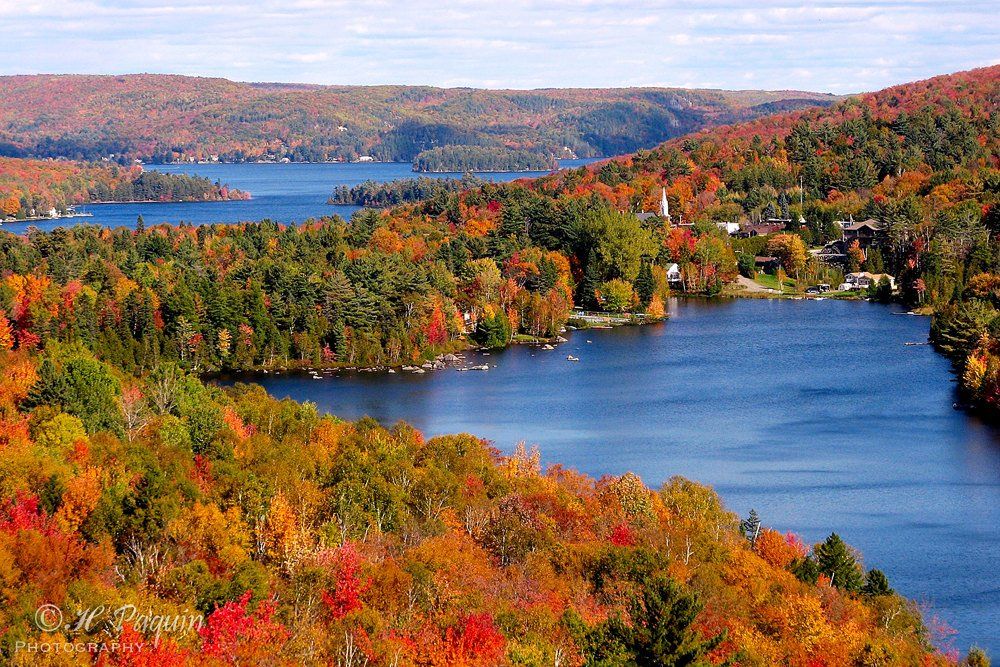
x=129 y=477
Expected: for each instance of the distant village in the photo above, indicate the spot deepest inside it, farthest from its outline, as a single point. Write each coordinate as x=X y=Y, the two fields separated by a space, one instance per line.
x=867 y=233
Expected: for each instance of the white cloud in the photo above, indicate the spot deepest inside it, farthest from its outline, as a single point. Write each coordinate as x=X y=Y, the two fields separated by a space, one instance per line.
x=830 y=45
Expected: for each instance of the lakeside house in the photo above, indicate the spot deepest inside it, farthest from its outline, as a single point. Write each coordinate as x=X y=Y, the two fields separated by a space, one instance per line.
x=674 y=275
x=834 y=252
x=863 y=280
x=748 y=231
x=868 y=233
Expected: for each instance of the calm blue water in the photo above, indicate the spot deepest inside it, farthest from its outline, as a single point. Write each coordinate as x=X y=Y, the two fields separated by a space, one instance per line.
x=281 y=192
x=813 y=412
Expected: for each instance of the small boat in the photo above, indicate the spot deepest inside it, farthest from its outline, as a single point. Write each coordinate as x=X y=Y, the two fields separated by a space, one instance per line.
x=570 y=357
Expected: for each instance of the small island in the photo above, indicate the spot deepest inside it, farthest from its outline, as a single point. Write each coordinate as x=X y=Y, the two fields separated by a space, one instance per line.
x=375 y=194
x=482 y=159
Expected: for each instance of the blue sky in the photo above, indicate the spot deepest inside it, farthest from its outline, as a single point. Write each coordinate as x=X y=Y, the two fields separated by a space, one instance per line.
x=838 y=47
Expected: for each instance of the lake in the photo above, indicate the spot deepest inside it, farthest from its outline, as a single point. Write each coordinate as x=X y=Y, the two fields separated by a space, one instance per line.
x=281 y=192
x=813 y=412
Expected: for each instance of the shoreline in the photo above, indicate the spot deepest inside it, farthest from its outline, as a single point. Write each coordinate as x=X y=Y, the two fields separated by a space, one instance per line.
x=43 y=218
x=441 y=361
x=169 y=201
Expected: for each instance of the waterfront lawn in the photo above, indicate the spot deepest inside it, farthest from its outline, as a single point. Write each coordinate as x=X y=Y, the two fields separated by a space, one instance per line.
x=770 y=281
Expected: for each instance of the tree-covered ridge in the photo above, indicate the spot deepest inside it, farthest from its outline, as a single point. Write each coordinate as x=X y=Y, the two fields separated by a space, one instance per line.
x=374 y=292
x=921 y=160
x=34 y=187
x=868 y=149
x=375 y=194
x=163 y=118
x=303 y=539
x=481 y=158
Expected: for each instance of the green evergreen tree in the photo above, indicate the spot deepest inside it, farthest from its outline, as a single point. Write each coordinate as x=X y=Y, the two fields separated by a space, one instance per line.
x=806 y=570
x=591 y=281
x=750 y=526
x=876 y=583
x=644 y=285
x=661 y=633
x=493 y=332
x=976 y=658
x=835 y=560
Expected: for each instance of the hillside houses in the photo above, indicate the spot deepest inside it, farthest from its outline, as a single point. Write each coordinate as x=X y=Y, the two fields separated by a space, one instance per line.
x=867 y=233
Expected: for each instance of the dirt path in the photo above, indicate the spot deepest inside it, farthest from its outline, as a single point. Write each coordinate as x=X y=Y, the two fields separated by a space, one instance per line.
x=750 y=285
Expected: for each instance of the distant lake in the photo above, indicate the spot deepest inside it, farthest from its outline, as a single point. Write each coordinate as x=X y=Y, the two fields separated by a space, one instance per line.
x=813 y=412
x=282 y=192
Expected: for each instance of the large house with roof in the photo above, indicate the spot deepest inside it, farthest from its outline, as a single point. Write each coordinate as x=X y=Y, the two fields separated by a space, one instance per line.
x=867 y=233
x=864 y=280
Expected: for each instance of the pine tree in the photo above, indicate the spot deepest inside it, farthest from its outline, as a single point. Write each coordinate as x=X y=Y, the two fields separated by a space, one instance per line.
x=661 y=634
x=876 y=583
x=750 y=527
x=589 y=284
x=835 y=560
x=976 y=658
x=644 y=285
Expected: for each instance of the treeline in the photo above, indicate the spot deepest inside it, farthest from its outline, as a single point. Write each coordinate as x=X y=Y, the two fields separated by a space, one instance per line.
x=375 y=194
x=31 y=188
x=462 y=159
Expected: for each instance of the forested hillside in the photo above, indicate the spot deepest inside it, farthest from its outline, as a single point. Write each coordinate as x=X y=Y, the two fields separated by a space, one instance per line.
x=162 y=118
x=246 y=530
x=34 y=187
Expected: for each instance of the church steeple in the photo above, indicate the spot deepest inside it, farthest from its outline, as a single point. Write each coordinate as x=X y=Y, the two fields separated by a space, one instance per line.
x=664 y=205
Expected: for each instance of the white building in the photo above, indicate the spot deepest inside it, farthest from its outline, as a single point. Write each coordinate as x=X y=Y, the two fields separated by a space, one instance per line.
x=665 y=206
x=864 y=280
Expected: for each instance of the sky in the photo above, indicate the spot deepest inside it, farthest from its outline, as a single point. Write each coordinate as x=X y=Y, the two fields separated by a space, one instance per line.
x=837 y=47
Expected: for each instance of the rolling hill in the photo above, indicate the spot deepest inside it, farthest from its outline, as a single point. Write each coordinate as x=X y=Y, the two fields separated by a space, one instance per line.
x=163 y=118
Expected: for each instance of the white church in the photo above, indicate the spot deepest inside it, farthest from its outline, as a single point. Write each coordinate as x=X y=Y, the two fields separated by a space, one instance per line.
x=664 y=211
